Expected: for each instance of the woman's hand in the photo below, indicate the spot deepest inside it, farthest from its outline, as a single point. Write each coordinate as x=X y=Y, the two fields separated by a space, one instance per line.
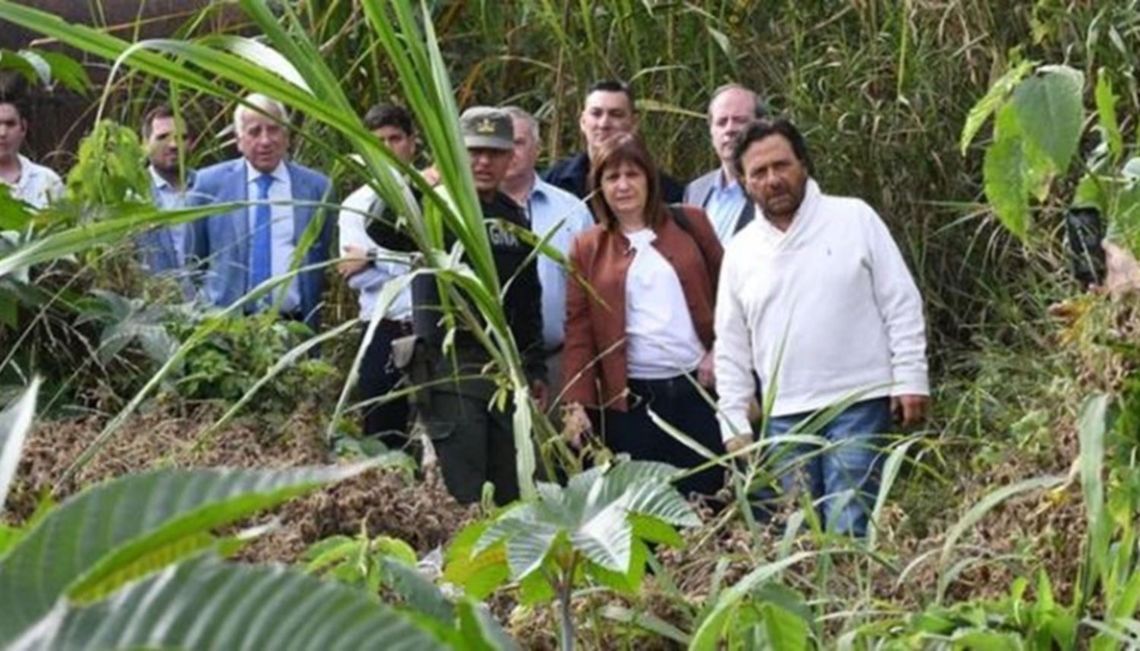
x=706 y=372
x=575 y=423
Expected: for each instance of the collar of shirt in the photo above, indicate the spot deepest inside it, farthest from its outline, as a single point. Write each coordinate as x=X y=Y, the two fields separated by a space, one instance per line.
x=164 y=186
x=279 y=173
x=803 y=215
x=723 y=183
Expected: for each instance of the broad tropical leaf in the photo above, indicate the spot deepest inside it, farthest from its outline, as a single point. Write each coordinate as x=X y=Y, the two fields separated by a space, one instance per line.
x=91 y=537
x=1051 y=112
x=207 y=604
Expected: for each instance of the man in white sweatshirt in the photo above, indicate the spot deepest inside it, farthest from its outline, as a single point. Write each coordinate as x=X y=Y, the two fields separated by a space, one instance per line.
x=815 y=298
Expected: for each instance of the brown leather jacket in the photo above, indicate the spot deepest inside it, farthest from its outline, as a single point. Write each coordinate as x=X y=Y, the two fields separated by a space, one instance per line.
x=594 y=365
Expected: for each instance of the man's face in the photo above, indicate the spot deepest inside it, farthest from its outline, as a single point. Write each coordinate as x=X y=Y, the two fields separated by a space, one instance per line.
x=262 y=141
x=525 y=153
x=402 y=144
x=164 y=144
x=773 y=177
x=489 y=167
x=606 y=114
x=13 y=128
x=729 y=114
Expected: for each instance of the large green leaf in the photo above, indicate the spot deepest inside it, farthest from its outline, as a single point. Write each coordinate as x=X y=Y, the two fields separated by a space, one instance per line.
x=606 y=538
x=15 y=423
x=85 y=543
x=208 y=604
x=1106 y=115
x=709 y=632
x=1006 y=174
x=994 y=99
x=1051 y=112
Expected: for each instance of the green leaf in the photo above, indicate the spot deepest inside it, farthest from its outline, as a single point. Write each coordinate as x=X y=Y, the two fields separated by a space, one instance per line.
x=646 y=621
x=653 y=530
x=534 y=588
x=1106 y=115
x=15 y=423
x=1006 y=175
x=709 y=632
x=993 y=100
x=477 y=573
x=785 y=629
x=67 y=71
x=1051 y=112
x=417 y=591
x=213 y=605
x=1091 y=427
x=105 y=529
x=480 y=630
x=605 y=538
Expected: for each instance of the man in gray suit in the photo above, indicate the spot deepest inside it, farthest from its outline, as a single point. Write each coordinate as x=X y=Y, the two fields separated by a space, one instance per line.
x=732 y=108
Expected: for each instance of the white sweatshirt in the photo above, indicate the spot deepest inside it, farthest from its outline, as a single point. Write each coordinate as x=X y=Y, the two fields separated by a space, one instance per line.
x=822 y=312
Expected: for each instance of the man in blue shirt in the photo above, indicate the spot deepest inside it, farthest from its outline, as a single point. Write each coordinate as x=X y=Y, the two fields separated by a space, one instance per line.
x=732 y=108
x=165 y=250
x=551 y=211
x=252 y=244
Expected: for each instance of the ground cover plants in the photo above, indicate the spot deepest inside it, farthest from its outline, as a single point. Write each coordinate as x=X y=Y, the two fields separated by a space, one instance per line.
x=974 y=127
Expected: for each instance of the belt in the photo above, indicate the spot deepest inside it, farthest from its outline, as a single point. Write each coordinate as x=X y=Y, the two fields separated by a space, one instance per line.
x=400 y=327
x=664 y=389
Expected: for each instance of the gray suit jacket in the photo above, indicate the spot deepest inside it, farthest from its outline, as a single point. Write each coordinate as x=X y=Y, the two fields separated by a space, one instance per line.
x=700 y=190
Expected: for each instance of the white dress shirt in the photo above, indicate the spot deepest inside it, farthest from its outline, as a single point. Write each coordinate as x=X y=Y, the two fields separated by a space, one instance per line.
x=661 y=341
x=387 y=266
x=37 y=186
x=282 y=226
x=168 y=197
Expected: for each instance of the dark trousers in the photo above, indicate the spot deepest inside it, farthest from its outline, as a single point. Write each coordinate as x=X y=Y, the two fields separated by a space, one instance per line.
x=678 y=403
x=387 y=420
x=474 y=441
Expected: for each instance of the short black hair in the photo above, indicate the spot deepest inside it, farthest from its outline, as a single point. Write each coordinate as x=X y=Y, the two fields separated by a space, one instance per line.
x=162 y=111
x=761 y=129
x=614 y=86
x=14 y=91
x=389 y=115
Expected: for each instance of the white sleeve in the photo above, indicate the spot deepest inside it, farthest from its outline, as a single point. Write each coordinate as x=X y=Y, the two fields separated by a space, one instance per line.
x=900 y=306
x=354 y=232
x=733 y=354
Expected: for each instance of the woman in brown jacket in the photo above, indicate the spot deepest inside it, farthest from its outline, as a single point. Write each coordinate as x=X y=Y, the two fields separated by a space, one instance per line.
x=639 y=317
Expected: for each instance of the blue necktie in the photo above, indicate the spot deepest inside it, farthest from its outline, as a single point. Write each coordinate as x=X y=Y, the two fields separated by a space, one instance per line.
x=262 y=245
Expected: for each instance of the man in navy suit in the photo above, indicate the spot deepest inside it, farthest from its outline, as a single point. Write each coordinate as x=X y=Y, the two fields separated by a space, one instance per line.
x=247 y=246
x=167 y=250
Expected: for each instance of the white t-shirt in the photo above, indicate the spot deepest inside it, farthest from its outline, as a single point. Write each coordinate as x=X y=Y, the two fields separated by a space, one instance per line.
x=661 y=341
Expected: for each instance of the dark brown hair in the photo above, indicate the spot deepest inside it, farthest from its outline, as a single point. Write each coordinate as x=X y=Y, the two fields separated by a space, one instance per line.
x=626 y=148
x=160 y=112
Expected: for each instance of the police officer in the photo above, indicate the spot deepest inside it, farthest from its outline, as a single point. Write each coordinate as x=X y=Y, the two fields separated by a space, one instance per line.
x=474 y=439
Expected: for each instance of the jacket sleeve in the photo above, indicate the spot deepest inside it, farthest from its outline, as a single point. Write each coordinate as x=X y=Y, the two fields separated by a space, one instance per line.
x=579 y=365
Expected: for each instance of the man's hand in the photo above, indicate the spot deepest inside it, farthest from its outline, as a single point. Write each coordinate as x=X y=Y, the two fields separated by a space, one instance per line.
x=575 y=423
x=431 y=176
x=355 y=259
x=706 y=373
x=541 y=394
x=909 y=410
x=738 y=442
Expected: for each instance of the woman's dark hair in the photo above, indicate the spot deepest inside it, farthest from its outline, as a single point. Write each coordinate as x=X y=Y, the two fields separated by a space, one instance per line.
x=626 y=148
x=761 y=129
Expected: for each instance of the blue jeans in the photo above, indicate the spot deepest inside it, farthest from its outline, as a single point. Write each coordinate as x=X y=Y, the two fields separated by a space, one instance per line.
x=844 y=476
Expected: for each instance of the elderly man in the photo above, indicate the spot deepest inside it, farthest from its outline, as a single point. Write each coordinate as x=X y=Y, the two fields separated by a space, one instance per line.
x=251 y=244
x=816 y=299
x=375 y=252
x=732 y=108
x=555 y=215
x=167 y=249
x=33 y=184
x=609 y=110
x=474 y=438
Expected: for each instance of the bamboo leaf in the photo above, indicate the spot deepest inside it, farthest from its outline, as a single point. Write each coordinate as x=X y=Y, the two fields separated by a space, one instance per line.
x=1091 y=426
x=1106 y=115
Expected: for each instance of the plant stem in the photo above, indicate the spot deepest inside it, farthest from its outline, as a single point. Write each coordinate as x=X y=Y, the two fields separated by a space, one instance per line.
x=565 y=588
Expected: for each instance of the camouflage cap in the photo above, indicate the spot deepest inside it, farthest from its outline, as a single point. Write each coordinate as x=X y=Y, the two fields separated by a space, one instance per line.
x=486 y=127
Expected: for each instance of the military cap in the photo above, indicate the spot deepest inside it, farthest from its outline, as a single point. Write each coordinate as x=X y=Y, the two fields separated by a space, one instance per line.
x=486 y=127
